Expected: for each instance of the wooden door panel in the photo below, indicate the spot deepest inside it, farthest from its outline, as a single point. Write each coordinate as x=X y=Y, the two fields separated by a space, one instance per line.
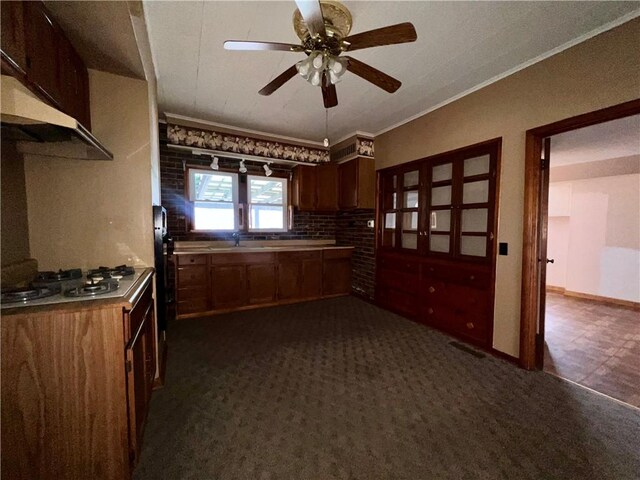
x=327 y=187
x=289 y=279
x=305 y=186
x=311 y=285
x=228 y=286
x=337 y=276
x=348 y=184
x=261 y=283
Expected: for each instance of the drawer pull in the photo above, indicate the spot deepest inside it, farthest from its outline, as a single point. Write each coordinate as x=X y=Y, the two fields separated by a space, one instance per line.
x=431 y=289
x=430 y=311
x=470 y=325
x=472 y=277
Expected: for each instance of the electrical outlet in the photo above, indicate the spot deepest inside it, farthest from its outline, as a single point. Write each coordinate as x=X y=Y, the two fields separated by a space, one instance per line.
x=370 y=223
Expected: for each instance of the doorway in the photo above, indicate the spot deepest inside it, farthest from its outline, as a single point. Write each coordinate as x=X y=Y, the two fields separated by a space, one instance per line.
x=589 y=318
x=532 y=342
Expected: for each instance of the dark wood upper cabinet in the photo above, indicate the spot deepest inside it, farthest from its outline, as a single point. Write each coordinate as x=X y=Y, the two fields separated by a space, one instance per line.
x=357 y=184
x=37 y=52
x=315 y=189
x=13 y=41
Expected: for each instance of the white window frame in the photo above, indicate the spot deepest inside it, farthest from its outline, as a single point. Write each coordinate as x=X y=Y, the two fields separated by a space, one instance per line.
x=285 y=204
x=234 y=193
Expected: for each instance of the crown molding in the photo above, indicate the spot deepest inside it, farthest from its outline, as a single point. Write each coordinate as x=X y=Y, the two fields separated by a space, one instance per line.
x=603 y=28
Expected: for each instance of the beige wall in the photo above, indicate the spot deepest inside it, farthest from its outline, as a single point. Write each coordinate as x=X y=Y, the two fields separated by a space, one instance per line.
x=15 y=230
x=596 y=245
x=598 y=73
x=90 y=213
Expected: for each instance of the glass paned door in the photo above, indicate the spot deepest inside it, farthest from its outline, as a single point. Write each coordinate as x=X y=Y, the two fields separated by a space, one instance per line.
x=390 y=211
x=441 y=208
x=410 y=209
x=475 y=207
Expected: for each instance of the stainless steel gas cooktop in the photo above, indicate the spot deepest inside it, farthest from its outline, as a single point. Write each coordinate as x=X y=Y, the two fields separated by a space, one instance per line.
x=72 y=285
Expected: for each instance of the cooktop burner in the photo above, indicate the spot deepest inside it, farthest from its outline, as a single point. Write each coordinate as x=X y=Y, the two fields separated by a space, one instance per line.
x=59 y=276
x=106 y=272
x=26 y=294
x=93 y=289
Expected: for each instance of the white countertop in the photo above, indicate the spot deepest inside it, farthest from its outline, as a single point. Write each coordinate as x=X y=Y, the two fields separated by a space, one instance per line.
x=249 y=246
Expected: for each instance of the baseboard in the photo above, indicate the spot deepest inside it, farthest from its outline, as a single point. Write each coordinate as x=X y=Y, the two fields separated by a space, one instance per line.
x=504 y=356
x=596 y=298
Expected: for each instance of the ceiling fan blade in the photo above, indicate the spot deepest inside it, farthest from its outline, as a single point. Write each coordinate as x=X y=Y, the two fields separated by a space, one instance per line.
x=329 y=95
x=373 y=75
x=248 y=45
x=400 y=33
x=312 y=15
x=280 y=80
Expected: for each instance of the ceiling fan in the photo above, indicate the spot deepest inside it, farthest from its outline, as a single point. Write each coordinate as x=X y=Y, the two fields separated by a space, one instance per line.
x=323 y=28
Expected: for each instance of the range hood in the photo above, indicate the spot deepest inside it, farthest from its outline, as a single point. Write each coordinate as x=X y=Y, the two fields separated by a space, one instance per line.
x=39 y=129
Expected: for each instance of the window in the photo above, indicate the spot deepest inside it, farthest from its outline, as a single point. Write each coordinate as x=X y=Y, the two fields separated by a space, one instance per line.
x=267 y=198
x=215 y=200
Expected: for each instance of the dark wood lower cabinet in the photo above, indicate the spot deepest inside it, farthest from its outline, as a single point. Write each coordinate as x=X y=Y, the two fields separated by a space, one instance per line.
x=209 y=283
x=452 y=296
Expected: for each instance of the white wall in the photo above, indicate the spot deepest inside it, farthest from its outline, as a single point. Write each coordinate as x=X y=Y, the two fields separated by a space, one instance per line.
x=596 y=247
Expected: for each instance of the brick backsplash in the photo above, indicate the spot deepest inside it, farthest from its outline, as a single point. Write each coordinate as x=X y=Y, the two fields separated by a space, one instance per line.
x=352 y=230
x=346 y=228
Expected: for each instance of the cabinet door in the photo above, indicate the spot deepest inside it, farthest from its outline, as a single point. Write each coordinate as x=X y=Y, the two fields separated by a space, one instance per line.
x=13 y=42
x=476 y=207
x=289 y=279
x=348 y=184
x=137 y=386
x=441 y=209
x=327 y=187
x=41 y=40
x=410 y=203
x=336 y=272
x=261 y=284
x=305 y=186
x=74 y=95
x=228 y=283
x=311 y=285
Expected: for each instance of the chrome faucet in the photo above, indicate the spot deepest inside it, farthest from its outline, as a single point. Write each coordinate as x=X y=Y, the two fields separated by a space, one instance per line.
x=236 y=239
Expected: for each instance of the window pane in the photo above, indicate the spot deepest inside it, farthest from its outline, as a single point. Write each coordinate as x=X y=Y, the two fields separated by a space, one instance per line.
x=390 y=220
x=214 y=216
x=441 y=172
x=410 y=221
x=411 y=199
x=263 y=190
x=476 y=166
x=411 y=178
x=475 y=192
x=474 y=220
x=410 y=240
x=441 y=220
x=441 y=196
x=215 y=187
x=476 y=246
x=266 y=217
x=439 y=243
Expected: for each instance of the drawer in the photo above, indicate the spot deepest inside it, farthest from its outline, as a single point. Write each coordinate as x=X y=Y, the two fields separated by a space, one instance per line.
x=199 y=291
x=479 y=278
x=458 y=320
x=137 y=314
x=334 y=253
x=242 y=258
x=192 y=276
x=193 y=306
x=296 y=257
x=192 y=259
x=398 y=264
x=398 y=280
x=398 y=301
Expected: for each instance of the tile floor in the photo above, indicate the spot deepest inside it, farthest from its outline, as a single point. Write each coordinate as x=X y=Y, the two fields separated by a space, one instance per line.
x=594 y=344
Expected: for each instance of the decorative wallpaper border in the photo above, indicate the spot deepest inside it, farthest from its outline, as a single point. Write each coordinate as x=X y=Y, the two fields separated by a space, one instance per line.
x=195 y=137
x=364 y=147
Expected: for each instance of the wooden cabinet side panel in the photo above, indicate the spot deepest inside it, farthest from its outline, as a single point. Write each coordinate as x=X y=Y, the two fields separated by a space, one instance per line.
x=13 y=42
x=64 y=400
x=366 y=183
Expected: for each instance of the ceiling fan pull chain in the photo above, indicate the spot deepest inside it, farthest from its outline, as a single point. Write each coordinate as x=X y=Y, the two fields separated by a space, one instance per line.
x=326 y=128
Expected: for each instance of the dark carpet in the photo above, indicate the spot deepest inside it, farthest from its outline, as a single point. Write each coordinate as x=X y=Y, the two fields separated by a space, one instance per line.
x=340 y=389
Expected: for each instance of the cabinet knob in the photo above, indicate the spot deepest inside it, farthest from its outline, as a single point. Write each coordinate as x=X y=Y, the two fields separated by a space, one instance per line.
x=470 y=325
x=431 y=289
x=430 y=311
x=472 y=277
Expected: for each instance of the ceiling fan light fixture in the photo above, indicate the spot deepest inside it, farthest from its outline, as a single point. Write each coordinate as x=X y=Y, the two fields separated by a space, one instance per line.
x=334 y=77
x=315 y=78
x=243 y=168
x=267 y=171
x=318 y=61
x=303 y=67
x=214 y=163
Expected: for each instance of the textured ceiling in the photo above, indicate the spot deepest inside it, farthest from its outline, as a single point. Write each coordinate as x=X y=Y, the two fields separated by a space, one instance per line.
x=604 y=141
x=460 y=46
